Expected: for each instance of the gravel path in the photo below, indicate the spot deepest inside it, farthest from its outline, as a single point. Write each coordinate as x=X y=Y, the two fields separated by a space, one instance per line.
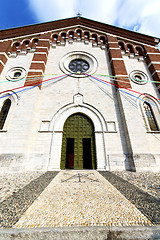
x=147 y=181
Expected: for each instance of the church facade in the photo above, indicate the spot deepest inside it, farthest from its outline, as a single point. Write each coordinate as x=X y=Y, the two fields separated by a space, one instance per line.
x=79 y=94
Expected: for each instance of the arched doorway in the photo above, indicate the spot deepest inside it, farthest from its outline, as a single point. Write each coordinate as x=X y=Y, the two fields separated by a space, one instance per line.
x=78 y=143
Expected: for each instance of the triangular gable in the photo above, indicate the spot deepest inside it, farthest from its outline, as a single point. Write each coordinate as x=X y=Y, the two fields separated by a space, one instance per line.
x=77 y=21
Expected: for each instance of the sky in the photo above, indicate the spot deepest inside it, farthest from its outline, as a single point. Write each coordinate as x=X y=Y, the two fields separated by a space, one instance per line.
x=137 y=15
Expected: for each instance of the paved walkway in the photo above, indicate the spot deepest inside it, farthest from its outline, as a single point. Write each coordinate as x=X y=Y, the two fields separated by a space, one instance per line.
x=81 y=198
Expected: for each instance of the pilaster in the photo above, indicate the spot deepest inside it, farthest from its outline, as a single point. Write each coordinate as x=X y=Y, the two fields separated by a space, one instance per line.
x=119 y=71
x=38 y=64
x=153 y=63
x=4 y=46
x=116 y=62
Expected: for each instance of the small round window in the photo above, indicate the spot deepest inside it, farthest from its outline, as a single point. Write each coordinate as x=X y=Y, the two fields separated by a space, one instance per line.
x=78 y=66
x=138 y=77
x=16 y=74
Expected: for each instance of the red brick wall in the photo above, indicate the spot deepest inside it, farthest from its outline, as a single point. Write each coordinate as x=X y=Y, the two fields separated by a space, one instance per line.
x=4 y=46
x=37 y=67
x=153 y=63
x=116 y=62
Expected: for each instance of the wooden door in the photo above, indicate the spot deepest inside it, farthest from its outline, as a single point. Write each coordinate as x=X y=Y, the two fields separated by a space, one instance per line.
x=70 y=153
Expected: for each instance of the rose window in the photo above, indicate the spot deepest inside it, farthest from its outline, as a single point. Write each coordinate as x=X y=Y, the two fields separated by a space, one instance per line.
x=78 y=66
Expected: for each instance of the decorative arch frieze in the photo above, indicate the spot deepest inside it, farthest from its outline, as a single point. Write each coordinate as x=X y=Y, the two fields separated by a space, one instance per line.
x=23 y=46
x=131 y=50
x=79 y=34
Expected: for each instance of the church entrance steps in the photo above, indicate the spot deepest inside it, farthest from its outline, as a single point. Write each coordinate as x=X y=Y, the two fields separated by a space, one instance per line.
x=79 y=198
x=82 y=233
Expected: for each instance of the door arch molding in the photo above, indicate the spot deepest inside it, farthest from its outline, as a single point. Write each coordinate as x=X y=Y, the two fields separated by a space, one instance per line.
x=57 y=123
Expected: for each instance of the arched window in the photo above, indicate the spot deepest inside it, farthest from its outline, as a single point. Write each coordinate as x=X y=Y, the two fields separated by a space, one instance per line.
x=122 y=47
x=79 y=33
x=71 y=34
x=4 y=112
x=140 y=51
x=26 y=43
x=95 y=38
x=63 y=35
x=130 y=48
x=86 y=35
x=35 y=41
x=102 y=40
x=55 y=37
x=15 y=46
x=150 y=117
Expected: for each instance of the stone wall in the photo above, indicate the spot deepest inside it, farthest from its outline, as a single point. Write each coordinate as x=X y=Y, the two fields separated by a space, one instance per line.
x=32 y=135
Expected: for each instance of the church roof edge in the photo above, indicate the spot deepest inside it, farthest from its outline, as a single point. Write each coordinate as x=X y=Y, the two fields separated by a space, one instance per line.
x=78 y=20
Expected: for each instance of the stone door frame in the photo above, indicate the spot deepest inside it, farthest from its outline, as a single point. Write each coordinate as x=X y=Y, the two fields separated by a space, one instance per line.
x=56 y=126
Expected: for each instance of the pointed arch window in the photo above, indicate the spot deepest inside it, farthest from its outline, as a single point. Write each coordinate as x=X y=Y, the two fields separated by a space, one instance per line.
x=150 y=116
x=4 y=112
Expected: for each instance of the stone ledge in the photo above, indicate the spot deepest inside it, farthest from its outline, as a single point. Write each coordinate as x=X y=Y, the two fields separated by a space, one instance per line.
x=83 y=233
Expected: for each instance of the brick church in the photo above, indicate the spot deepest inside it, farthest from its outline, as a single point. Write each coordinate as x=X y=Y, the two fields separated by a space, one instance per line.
x=79 y=94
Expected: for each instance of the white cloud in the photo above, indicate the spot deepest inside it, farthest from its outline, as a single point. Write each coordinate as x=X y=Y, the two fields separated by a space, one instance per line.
x=142 y=16
x=101 y=10
x=49 y=10
x=137 y=15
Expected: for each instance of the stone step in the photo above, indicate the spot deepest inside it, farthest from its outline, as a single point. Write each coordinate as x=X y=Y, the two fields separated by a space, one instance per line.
x=82 y=233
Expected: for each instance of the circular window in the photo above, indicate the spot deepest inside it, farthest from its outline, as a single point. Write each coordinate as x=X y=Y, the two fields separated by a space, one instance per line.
x=78 y=66
x=16 y=74
x=138 y=77
x=78 y=63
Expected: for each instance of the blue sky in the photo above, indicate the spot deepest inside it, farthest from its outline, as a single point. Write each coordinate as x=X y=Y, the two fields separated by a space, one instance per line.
x=138 y=15
x=16 y=13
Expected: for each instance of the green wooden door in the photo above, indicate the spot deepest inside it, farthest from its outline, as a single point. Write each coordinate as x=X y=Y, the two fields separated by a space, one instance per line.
x=78 y=143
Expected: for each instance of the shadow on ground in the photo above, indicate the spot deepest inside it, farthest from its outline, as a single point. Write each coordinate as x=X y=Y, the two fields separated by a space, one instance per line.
x=144 y=202
x=14 y=206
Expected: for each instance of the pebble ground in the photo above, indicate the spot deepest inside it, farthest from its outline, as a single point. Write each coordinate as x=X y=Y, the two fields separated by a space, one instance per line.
x=85 y=198
x=11 y=183
x=78 y=198
x=147 y=181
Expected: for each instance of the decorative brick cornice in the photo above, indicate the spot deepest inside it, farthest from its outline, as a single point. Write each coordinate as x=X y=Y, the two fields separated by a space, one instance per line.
x=64 y=23
x=77 y=34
